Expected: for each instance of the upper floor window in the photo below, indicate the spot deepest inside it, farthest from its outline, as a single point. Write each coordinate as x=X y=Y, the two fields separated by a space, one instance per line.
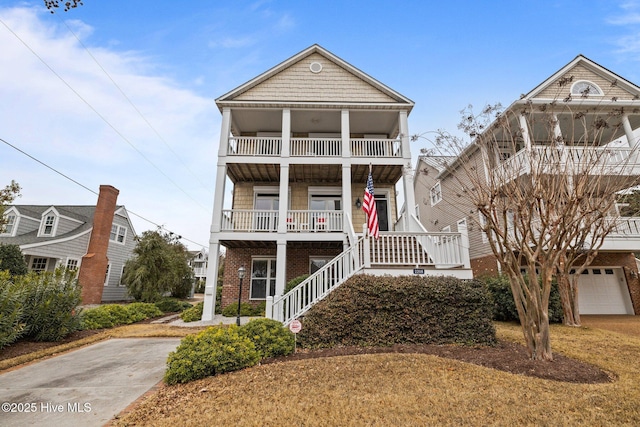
x=436 y=193
x=9 y=227
x=585 y=88
x=118 y=233
x=47 y=228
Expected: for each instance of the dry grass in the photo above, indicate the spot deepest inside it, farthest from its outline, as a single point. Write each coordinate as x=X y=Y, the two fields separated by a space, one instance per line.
x=408 y=390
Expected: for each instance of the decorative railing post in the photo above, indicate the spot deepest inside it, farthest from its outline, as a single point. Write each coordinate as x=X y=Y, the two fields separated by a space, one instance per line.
x=366 y=247
x=268 y=311
x=464 y=245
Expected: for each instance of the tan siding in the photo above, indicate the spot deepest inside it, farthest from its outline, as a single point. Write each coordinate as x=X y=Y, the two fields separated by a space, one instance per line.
x=580 y=72
x=298 y=83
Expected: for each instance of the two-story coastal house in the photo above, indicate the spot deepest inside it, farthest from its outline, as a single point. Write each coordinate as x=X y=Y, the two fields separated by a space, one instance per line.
x=75 y=237
x=595 y=114
x=297 y=144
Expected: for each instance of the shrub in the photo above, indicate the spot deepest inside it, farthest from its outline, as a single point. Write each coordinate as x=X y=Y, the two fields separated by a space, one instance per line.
x=12 y=259
x=172 y=305
x=269 y=337
x=380 y=311
x=193 y=314
x=110 y=315
x=504 y=307
x=211 y=352
x=12 y=326
x=50 y=306
x=295 y=282
x=246 y=309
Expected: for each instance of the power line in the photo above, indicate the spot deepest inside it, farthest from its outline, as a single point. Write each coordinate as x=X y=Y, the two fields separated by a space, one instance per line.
x=89 y=189
x=101 y=116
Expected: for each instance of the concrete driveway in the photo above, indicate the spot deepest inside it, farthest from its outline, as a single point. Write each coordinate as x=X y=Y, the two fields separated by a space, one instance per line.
x=85 y=387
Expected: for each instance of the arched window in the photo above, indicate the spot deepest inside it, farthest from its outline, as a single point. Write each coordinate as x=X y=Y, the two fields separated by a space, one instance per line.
x=585 y=88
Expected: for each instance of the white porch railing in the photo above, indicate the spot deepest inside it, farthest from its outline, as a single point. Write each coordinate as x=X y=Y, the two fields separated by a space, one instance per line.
x=440 y=250
x=626 y=226
x=325 y=147
x=376 y=147
x=254 y=146
x=297 y=221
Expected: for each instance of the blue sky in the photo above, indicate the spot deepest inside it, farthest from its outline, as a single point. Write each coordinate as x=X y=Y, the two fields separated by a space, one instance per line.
x=153 y=134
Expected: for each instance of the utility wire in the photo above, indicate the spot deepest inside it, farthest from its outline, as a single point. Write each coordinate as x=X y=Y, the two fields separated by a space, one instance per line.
x=90 y=190
x=101 y=116
x=131 y=103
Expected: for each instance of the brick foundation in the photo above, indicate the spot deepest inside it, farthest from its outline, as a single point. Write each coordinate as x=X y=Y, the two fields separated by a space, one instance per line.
x=94 y=264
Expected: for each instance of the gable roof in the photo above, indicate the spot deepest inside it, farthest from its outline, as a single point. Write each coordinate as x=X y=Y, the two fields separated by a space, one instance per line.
x=292 y=82
x=558 y=85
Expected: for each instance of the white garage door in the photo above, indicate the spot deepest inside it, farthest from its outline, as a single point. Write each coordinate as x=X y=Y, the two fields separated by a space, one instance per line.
x=603 y=291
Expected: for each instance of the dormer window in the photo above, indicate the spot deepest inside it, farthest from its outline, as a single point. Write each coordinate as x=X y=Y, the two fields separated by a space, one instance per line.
x=10 y=225
x=48 y=224
x=118 y=233
x=585 y=89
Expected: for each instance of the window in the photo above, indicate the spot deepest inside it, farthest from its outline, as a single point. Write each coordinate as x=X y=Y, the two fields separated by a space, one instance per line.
x=263 y=278
x=446 y=229
x=48 y=225
x=106 y=275
x=316 y=263
x=118 y=233
x=585 y=88
x=39 y=264
x=9 y=227
x=436 y=193
x=72 y=264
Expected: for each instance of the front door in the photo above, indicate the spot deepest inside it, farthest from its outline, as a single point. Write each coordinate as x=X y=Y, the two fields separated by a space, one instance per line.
x=383 y=213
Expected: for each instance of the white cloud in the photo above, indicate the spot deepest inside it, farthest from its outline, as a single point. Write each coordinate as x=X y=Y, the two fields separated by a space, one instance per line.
x=49 y=113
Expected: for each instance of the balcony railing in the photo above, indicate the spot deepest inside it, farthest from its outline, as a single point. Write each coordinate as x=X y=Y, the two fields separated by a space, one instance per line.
x=313 y=147
x=593 y=160
x=267 y=221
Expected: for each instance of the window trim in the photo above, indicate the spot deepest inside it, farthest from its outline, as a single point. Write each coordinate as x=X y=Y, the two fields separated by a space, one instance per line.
x=107 y=275
x=579 y=93
x=483 y=222
x=14 y=225
x=33 y=261
x=435 y=193
x=77 y=266
x=118 y=227
x=44 y=225
x=267 y=278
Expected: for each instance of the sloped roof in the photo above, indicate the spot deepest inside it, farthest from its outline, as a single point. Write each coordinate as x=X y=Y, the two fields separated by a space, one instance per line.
x=292 y=82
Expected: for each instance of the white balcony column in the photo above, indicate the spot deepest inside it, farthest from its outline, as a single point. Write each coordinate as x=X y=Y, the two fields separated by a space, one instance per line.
x=218 y=199
x=407 y=172
x=208 y=310
x=286 y=133
x=524 y=128
x=628 y=131
x=557 y=132
x=225 y=130
x=345 y=133
x=347 y=198
x=283 y=199
x=281 y=266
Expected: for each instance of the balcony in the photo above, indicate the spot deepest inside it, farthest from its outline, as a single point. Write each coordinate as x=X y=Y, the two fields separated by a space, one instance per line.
x=241 y=220
x=313 y=147
x=621 y=163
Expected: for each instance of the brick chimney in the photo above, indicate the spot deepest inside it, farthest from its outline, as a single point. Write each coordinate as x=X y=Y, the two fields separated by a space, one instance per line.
x=94 y=264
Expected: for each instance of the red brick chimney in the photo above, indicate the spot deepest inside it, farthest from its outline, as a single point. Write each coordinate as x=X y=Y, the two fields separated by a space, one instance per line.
x=94 y=264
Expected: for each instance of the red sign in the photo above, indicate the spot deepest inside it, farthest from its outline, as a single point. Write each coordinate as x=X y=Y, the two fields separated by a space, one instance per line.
x=295 y=326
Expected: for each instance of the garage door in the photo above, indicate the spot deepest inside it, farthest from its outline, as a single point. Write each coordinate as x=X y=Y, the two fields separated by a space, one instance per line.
x=603 y=291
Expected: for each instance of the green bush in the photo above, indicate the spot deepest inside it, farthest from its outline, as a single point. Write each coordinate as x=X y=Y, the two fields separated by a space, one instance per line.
x=270 y=338
x=110 y=315
x=12 y=259
x=193 y=314
x=211 y=352
x=504 y=307
x=172 y=305
x=12 y=326
x=295 y=282
x=381 y=311
x=50 y=306
x=246 y=309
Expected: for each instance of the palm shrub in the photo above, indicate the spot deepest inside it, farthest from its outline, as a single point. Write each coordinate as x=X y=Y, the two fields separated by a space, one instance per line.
x=269 y=336
x=213 y=351
x=50 y=306
x=12 y=326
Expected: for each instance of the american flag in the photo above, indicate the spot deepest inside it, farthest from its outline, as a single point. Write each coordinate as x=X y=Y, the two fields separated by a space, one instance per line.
x=369 y=206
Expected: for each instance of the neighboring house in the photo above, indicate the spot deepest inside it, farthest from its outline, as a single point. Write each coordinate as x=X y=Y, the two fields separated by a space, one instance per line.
x=580 y=92
x=297 y=144
x=52 y=236
x=198 y=262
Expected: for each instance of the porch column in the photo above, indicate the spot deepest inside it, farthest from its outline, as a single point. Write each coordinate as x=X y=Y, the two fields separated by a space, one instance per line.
x=283 y=203
x=347 y=201
x=628 y=131
x=221 y=175
x=286 y=133
x=345 y=134
x=281 y=266
x=524 y=127
x=208 y=311
x=407 y=173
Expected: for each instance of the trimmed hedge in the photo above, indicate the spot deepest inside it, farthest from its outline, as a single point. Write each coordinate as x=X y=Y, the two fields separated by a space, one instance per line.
x=382 y=311
x=193 y=314
x=110 y=315
x=211 y=352
x=504 y=307
x=172 y=305
x=270 y=338
x=246 y=309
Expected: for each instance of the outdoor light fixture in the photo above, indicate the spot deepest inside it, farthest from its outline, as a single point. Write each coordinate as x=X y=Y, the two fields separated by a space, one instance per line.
x=241 y=272
x=358 y=203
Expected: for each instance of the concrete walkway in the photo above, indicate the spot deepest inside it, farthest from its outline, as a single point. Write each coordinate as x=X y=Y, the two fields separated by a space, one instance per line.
x=85 y=387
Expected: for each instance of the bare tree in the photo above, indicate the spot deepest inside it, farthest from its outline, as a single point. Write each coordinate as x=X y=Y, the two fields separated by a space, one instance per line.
x=543 y=179
x=52 y=5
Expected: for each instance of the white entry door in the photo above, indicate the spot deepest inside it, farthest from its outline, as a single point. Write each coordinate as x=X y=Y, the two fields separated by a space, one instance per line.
x=603 y=291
